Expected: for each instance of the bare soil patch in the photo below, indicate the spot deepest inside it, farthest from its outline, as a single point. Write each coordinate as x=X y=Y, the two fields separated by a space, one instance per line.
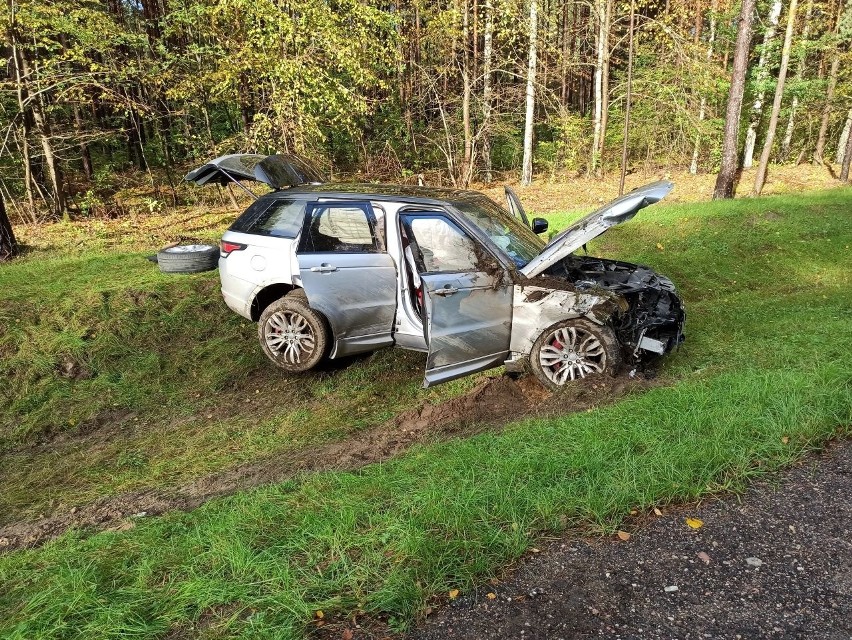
x=490 y=405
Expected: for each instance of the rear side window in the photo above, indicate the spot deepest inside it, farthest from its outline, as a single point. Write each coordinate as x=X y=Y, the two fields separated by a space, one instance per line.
x=279 y=218
x=340 y=227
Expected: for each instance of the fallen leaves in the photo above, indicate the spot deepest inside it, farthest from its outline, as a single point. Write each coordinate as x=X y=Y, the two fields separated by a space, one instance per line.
x=657 y=512
x=347 y=634
x=491 y=595
x=694 y=523
x=703 y=557
x=623 y=535
x=785 y=439
x=319 y=614
x=660 y=246
x=454 y=593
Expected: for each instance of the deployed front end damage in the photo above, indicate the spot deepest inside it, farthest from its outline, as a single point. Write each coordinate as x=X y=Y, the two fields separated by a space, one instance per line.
x=651 y=322
x=635 y=305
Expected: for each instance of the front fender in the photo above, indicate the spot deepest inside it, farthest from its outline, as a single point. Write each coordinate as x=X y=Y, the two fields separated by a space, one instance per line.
x=536 y=307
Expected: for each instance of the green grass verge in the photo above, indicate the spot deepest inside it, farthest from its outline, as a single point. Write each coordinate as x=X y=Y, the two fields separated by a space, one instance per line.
x=763 y=377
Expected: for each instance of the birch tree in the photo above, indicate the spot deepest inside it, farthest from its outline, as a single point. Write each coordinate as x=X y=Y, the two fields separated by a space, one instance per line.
x=487 y=55
x=601 y=6
x=844 y=138
x=725 y=179
x=762 y=76
x=847 y=160
x=760 y=178
x=527 y=165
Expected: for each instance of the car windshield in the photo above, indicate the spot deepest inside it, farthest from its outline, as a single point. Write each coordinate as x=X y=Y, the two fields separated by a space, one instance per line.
x=507 y=232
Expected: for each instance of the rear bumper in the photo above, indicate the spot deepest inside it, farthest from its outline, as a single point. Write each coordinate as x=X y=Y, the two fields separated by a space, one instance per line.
x=237 y=293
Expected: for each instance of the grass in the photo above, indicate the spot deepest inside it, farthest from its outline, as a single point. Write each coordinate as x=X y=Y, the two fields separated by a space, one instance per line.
x=763 y=377
x=136 y=378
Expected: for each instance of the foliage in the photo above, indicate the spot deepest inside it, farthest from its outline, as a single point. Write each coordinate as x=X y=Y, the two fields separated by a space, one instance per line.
x=367 y=87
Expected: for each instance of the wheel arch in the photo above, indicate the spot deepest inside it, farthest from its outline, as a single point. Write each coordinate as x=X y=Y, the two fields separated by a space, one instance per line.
x=266 y=296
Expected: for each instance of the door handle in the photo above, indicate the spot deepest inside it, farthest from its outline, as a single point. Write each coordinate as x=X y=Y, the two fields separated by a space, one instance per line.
x=446 y=290
x=324 y=268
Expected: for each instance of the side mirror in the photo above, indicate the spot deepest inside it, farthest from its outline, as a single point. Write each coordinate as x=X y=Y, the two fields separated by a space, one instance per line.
x=539 y=225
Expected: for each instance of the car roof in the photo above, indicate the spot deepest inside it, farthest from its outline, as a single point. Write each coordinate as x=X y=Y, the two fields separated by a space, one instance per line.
x=410 y=193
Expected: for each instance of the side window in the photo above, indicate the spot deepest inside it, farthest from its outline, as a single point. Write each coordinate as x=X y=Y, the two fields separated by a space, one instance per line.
x=280 y=218
x=438 y=245
x=340 y=227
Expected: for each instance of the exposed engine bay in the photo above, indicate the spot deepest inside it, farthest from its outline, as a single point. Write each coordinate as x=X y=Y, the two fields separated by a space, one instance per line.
x=653 y=322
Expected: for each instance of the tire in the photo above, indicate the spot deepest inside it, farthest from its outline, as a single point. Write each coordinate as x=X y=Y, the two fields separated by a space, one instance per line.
x=574 y=349
x=294 y=336
x=188 y=258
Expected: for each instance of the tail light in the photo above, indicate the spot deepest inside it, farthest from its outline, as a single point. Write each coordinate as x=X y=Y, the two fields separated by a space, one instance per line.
x=230 y=247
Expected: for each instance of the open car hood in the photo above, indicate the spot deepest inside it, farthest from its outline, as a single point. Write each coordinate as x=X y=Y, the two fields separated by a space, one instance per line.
x=619 y=210
x=278 y=171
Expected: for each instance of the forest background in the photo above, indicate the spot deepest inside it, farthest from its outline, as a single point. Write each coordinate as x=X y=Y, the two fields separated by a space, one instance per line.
x=100 y=97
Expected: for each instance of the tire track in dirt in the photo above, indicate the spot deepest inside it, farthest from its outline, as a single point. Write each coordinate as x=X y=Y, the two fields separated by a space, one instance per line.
x=490 y=405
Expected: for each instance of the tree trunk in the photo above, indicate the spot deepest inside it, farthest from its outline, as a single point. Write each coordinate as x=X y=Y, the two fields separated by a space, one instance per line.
x=487 y=54
x=829 y=93
x=467 y=159
x=762 y=75
x=601 y=6
x=527 y=169
x=605 y=87
x=844 y=138
x=8 y=243
x=847 y=160
x=800 y=71
x=727 y=171
x=85 y=155
x=693 y=167
x=41 y=125
x=563 y=94
x=26 y=116
x=760 y=178
x=627 y=98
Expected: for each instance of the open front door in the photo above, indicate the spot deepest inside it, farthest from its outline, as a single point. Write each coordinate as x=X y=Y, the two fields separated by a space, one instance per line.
x=468 y=301
x=348 y=275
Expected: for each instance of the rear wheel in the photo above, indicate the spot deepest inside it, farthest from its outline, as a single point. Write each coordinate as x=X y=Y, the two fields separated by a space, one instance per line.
x=292 y=335
x=574 y=349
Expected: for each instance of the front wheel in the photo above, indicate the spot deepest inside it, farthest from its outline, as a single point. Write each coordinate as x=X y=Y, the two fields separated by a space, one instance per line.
x=292 y=335
x=574 y=349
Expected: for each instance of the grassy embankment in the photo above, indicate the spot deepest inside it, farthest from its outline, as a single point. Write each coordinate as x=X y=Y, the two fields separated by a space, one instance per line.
x=131 y=378
x=763 y=377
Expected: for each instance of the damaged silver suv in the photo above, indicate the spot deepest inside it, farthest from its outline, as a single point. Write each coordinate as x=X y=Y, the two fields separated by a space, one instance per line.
x=330 y=270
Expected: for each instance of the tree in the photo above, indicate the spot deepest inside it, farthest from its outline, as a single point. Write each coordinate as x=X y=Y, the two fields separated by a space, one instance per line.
x=725 y=179
x=800 y=72
x=844 y=139
x=8 y=243
x=847 y=160
x=693 y=167
x=600 y=68
x=488 y=53
x=527 y=166
x=832 y=86
x=762 y=77
x=760 y=179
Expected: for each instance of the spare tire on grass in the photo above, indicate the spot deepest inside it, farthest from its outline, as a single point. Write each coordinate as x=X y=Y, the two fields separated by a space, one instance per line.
x=188 y=258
